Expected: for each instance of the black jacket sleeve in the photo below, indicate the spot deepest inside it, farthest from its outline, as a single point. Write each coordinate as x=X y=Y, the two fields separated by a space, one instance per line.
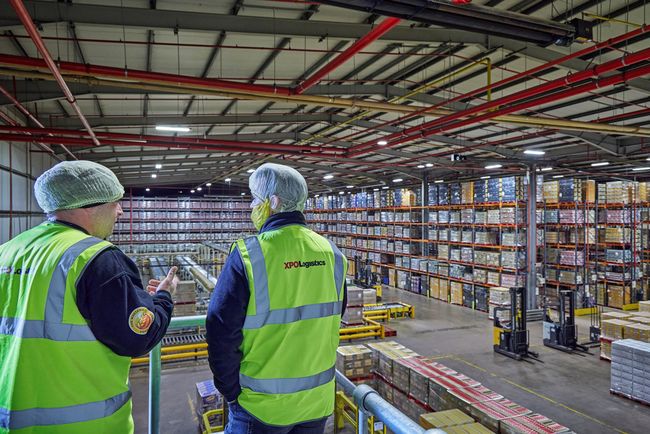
x=224 y=323
x=121 y=314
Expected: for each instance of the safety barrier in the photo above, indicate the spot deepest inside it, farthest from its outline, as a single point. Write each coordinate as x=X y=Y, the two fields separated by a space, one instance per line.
x=368 y=401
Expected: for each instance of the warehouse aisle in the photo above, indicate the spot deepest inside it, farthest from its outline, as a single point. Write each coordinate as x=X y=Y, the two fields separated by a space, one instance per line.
x=569 y=389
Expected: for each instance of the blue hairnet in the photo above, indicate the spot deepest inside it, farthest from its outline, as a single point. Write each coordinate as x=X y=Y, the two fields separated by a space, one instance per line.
x=282 y=181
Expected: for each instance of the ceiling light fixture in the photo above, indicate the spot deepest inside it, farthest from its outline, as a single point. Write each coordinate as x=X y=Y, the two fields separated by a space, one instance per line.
x=250 y=171
x=638 y=169
x=546 y=169
x=158 y=166
x=349 y=186
x=199 y=188
x=375 y=189
x=534 y=152
x=191 y=191
x=602 y=163
x=398 y=180
x=428 y=165
x=209 y=184
x=243 y=194
x=493 y=166
x=227 y=179
x=328 y=176
x=382 y=143
x=385 y=187
x=317 y=195
x=438 y=181
x=153 y=175
x=420 y=166
x=172 y=128
x=558 y=176
x=485 y=177
x=147 y=189
x=341 y=192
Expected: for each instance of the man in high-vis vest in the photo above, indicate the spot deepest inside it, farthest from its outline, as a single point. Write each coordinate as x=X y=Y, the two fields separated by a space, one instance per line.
x=273 y=321
x=73 y=311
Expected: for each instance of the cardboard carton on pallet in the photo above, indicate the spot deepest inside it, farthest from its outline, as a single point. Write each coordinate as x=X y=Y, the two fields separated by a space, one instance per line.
x=472 y=428
x=440 y=397
x=354 y=361
x=532 y=424
x=444 y=419
x=491 y=413
x=385 y=354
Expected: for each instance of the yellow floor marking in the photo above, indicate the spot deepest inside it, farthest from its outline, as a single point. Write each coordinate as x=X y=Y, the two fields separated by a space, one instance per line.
x=539 y=395
x=192 y=409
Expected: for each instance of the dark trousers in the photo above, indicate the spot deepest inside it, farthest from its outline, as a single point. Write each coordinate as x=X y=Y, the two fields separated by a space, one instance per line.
x=240 y=422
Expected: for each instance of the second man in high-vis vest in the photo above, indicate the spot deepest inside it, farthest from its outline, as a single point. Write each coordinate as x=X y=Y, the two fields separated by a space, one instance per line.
x=273 y=321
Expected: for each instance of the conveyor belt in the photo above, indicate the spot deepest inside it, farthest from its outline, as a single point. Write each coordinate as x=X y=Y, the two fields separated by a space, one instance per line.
x=183 y=339
x=158 y=267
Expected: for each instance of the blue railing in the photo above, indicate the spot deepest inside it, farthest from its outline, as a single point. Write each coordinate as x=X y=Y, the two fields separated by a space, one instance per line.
x=367 y=399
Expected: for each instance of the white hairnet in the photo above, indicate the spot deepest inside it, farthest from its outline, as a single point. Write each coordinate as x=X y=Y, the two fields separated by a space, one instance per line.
x=282 y=181
x=75 y=184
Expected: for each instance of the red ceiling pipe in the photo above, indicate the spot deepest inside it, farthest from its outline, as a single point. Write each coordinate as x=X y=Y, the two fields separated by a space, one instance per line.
x=516 y=97
x=144 y=76
x=359 y=45
x=75 y=141
x=27 y=113
x=20 y=9
x=10 y=121
x=540 y=68
x=140 y=140
x=603 y=82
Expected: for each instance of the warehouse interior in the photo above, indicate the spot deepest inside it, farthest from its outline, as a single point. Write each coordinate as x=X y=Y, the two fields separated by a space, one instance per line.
x=471 y=159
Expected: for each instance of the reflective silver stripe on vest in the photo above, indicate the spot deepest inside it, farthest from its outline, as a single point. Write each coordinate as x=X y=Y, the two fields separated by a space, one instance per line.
x=339 y=270
x=18 y=419
x=53 y=327
x=286 y=385
x=258 y=265
x=293 y=314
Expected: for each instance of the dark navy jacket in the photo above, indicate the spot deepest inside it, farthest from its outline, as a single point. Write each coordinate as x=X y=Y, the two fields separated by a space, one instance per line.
x=227 y=312
x=108 y=291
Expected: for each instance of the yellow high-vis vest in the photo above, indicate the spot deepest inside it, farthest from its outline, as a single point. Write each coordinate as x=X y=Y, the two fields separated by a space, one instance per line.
x=55 y=376
x=291 y=332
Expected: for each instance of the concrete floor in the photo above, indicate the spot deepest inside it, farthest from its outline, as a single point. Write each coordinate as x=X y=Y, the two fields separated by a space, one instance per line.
x=569 y=389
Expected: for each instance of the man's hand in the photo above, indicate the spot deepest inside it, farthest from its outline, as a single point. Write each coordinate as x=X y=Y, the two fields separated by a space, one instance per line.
x=167 y=284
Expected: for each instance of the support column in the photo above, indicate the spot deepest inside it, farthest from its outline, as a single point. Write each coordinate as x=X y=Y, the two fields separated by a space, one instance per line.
x=531 y=239
x=425 y=214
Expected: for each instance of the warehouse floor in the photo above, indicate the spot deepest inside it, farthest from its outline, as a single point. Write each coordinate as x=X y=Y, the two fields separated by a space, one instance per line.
x=569 y=389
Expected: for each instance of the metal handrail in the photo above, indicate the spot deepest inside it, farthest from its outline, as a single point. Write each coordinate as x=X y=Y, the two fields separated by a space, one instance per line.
x=367 y=399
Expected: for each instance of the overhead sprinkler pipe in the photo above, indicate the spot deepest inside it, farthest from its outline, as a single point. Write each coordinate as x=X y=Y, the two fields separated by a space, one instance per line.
x=26 y=19
x=413 y=133
x=355 y=48
x=33 y=118
x=431 y=109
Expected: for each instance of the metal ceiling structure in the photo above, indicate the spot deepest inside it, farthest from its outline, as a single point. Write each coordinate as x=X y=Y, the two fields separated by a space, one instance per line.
x=363 y=90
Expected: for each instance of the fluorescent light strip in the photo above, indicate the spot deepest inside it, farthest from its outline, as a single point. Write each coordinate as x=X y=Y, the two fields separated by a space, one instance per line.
x=534 y=152
x=493 y=166
x=602 y=163
x=172 y=128
x=638 y=169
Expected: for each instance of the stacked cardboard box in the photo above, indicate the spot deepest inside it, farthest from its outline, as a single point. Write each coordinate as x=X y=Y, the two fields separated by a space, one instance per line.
x=630 y=375
x=551 y=191
x=208 y=398
x=613 y=328
x=185 y=298
x=493 y=413
x=369 y=296
x=440 y=397
x=456 y=293
x=472 y=428
x=354 y=361
x=644 y=306
x=445 y=419
x=385 y=354
x=467 y=189
x=532 y=424
x=408 y=406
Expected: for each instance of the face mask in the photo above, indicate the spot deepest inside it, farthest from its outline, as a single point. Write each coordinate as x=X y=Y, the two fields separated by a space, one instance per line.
x=261 y=213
